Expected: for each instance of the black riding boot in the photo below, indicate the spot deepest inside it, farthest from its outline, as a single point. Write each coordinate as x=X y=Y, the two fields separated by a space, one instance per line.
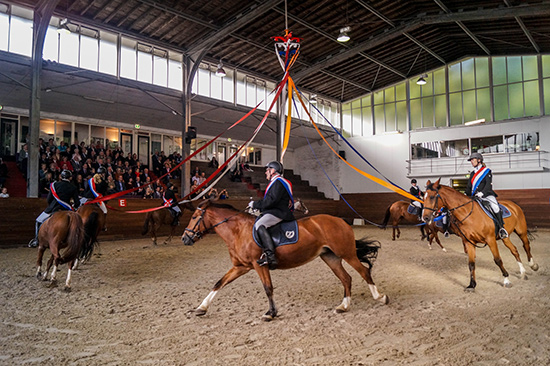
x=501 y=230
x=268 y=257
x=34 y=242
x=176 y=220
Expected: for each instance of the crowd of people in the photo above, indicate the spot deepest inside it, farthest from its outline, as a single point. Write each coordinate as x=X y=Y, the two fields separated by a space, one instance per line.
x=123 y=172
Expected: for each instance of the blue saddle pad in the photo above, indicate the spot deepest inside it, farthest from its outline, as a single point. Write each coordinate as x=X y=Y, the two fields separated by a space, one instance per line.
x=505 y=211
x=286 y=232
x=414 y=210
x=439 y=220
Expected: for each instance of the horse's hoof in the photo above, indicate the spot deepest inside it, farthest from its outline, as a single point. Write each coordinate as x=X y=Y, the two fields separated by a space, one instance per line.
x=445 y=250
x=384 y=300
x=507 y=284
x=67 y=289
x=200 y=312
x=469 y=289
x=523 y=277
x=267 y=317
x=340 y=310
x=535 y=267
x=52 y=284
x=39 y=276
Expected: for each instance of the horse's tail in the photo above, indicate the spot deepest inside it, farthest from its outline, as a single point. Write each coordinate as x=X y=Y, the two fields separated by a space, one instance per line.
x=145 y=229
x=90 y=236
x=75 y=239
x=531 y=234
x=367 y=250
x=386 y=218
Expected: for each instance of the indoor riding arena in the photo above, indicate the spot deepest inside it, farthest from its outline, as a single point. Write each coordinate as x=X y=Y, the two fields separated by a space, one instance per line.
x=141 y=142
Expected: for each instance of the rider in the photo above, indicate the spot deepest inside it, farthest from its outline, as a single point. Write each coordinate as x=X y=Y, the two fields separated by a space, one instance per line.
x=415 y=191
x=480 y=185
x=171 y=203
x=276 y=206
x=96 y=187
x=58 y=199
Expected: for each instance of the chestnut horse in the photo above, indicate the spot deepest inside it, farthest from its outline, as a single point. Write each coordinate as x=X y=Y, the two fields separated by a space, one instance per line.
x=397 y=212
x=320 y=235
x=473 y=226
x=64 y=229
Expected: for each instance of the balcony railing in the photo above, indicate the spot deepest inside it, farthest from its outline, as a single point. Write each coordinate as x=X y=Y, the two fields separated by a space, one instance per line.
x=521 y=162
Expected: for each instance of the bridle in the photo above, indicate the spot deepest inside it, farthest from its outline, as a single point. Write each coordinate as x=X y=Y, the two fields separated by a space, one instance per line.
x=453 y=217
x=197 y=233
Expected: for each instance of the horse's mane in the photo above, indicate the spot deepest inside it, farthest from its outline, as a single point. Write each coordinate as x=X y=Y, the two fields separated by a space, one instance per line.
x=209 y=203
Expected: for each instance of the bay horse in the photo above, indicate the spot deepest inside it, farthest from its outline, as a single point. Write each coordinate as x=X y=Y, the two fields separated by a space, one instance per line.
x=473 y=226
x=63 y=230
x=326 y=236
x=154 y=220
x=397 y=212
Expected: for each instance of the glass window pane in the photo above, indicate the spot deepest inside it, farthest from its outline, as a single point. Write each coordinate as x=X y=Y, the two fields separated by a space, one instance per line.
x=107 y=54
x=216 y=87
x=428 y=112
x=357 y=103
x=482 y=72
x=514 y=69
x=389 y=95
x=365 y=101
x=346 y=122
x=546 y=66
x=439 y=81
x=427 y=89
x=546 y=85
x=500 y=96
x=378 y=97
x=468 y=76
x=241 y=91
x=175 y=75
x=455 y=104
x=51 y=43
x=390 y=117
x=68 y=49
x=160 y=70
x=530 y=68
x=416 y=114
x=89 y=53
x=516 y=100
x=379 y=119
x=145 y=67
x=401 y=116
x=469 y=100
x=367 y=121
x=454 y=78
x=128 y=60
x=4 y=27
x=532 y=103
x=21 y=36
x=356 y=121
x=203 y=77
x=229 y=90
x=499 y=70
x=414 y=89
x=401 y=91
x=440 y=111
x=484 y=104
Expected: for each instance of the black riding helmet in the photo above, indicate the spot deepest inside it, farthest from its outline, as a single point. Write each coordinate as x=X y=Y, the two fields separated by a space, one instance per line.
x=477 y=156
x=275 y=165
x=169 y=185
x=66 y=174
x=413 y=181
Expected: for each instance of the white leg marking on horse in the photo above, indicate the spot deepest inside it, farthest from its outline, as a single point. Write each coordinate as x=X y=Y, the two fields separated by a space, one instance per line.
x=54 y=273
x=207 y=301
x=521 y=268
x=507 y=282
x=344 y=306
x=68 y=281
x=37 y=271
x=374 y=291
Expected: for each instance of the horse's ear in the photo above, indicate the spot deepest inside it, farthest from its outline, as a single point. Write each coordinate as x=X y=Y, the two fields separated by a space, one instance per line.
x=436 y=184
x=428 y=183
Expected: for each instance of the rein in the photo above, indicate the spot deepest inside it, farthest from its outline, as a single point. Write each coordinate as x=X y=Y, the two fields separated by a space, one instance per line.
x=457 y=221
x=199 y=234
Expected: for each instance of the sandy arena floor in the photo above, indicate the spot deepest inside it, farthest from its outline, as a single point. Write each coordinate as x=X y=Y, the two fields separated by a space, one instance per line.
x=132 y=304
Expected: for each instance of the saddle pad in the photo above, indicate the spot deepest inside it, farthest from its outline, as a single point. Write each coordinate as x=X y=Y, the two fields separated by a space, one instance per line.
x=285 y=232
x=505 y=211
x=439 y=220
x=414 y=210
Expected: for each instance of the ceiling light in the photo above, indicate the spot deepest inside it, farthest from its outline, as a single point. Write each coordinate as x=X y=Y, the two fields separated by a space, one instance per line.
x=421 y=80
x=220 y=72
x=64 y=26
x=313 y=99
x=477 y=121
x=48 y=90
x=343 y=36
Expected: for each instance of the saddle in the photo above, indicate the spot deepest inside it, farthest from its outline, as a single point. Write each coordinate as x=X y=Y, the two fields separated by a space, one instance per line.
x=285 y=232
x=487 y=209
x=414 y=210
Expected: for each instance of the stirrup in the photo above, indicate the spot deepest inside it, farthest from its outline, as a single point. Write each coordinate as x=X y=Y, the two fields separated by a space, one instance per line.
x=263 y=260
x=33 y=243
x=503 y=233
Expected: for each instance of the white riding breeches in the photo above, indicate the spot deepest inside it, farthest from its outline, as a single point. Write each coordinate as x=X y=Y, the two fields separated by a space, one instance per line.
x=42 y=217
x=267 y=220
x=493 y=202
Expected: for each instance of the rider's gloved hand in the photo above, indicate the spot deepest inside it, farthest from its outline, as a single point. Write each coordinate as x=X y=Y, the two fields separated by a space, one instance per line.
x=479 y=194
x=251 y=204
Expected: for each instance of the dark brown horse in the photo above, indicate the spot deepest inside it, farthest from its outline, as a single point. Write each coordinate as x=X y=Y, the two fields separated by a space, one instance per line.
x=93 y=218
x=473 y=226
x=154 y=220
x=397 y=212
x=320 y=235
x=63 y=230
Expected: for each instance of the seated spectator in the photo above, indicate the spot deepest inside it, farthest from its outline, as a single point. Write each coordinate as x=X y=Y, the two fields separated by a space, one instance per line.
x=75 y=162
x=111 y=188
x=148 y=193
x=79 y=183
x=4 y=193
x=120 y=185
x=212 y=193
x=64 y=164
x=158 y=192
x=63 y=149
x=213 y=163
x=44 y=184
x=202 y=178
x=223 y=195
